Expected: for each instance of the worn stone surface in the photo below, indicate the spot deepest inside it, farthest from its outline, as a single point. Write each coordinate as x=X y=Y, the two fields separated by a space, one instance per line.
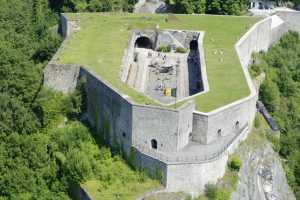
x=61 y=77
x=166 y=126
x=262 y=176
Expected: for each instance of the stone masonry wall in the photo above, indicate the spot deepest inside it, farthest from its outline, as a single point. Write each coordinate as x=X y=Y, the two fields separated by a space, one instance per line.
x=255 y=40
x=154 y=167
x=278 y=32
x=170 y=128
x=108 y=112
x=193 y=177
x=185 y=124
x=68 y=26
x=291 y=18
x=61 y=77
x=261 y=36
x=231 y=119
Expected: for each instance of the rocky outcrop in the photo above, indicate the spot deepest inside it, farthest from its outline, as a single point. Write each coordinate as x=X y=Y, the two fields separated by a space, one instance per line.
x=262 y=176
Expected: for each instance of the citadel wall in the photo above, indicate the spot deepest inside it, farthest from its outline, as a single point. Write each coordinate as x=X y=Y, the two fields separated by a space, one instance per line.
x=124 y=123
x=170 y=128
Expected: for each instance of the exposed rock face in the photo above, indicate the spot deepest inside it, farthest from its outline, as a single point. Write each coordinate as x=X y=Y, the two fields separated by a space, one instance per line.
x=262 y=176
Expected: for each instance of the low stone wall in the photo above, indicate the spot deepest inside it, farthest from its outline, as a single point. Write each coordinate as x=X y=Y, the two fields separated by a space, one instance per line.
x=192 y=178
x=154 y=167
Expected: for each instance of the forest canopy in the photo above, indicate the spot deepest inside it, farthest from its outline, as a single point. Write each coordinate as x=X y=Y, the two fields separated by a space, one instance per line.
x=45 y=150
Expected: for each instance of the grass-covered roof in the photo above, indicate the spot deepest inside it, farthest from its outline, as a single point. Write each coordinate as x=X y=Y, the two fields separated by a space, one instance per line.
x=103 y=37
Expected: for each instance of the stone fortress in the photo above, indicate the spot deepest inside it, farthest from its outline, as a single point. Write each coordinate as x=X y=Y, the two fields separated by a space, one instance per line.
x=184 y=147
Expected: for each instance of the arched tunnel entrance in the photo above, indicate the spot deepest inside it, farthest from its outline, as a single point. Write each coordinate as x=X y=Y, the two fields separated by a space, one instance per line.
x=143 y=42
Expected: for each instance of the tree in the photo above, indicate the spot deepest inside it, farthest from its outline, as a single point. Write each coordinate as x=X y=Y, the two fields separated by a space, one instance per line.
x=15 y=117
x=269 y=94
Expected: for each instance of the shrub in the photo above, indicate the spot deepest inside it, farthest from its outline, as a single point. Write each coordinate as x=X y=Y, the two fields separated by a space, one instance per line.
x=235 y=163
x=255 y=70
x=275 y=141
x=165 y=49
x=181 y=50
x=222 y=194
x=256 y=121
x=211 y=191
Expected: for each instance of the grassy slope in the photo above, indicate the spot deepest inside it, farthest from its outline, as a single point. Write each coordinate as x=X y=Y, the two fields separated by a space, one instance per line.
x=101 y=42
x=124 y=191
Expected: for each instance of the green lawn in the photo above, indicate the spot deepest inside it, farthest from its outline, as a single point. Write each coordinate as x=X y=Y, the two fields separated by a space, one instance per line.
x=124 y=191
x=101 y=42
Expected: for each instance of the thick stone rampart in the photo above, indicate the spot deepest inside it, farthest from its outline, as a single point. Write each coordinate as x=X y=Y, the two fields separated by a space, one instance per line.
x=208 y=128
x=291 y=18
x=126 y=124
x=170 y=128
x=108 y=112
x=266 y=33
x=256 y=39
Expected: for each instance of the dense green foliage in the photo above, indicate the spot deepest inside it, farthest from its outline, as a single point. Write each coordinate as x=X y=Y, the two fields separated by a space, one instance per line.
x=235 y=163
x=280 y=93
x=45 y=152
x=26 y=43
x=92 y=5
x=220 y=7
x=226 y=7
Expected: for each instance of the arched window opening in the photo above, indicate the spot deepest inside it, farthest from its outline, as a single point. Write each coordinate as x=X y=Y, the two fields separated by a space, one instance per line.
x=143 y=42
x=154 y=144
x=220 y=132
x=237 y=124
x=194 y=45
